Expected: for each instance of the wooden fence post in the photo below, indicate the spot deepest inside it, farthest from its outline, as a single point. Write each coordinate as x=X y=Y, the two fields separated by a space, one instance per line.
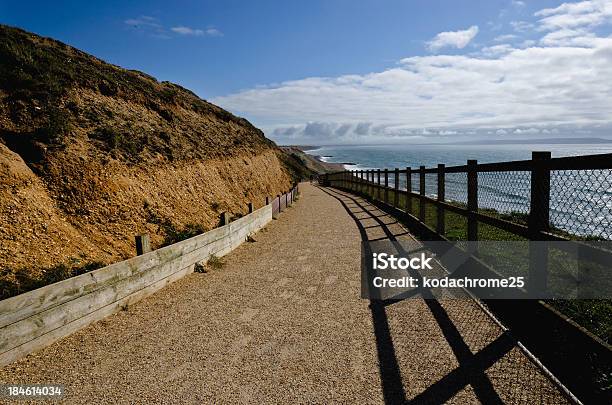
x=267 y=200
x=472 y=203
x=422 y=193
x=409 y=190
x=440 y=214
x=396 y=194
x=225 y=218
x=378 y=185
x=539 y=221
x=250 y=207
x=386 y=186
x=143 y=244
x=361 y=182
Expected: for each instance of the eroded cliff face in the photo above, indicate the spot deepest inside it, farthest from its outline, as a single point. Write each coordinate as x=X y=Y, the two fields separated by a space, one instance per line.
x=92 y=154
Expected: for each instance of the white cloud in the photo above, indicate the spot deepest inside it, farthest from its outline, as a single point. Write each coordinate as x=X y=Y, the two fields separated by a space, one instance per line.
x=143 y=20
x=589 y=13
x=521 y=26
x=181 y=29
x=554 y=84
x=505 y=38
x=496 y=50
x=455 y=39
x=196 y=32
x=528 y=43
x=213 y=32
x=518 y=4
x=147 y=25
x=152 y=26
x=528 y=131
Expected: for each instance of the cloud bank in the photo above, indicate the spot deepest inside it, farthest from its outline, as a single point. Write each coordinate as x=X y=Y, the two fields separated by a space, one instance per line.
x=557 y=82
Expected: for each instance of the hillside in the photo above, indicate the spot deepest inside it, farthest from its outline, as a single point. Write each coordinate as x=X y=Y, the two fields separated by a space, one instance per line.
x=92 y=154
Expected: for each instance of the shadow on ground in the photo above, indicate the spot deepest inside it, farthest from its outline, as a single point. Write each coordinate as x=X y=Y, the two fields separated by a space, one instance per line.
x=472 y=366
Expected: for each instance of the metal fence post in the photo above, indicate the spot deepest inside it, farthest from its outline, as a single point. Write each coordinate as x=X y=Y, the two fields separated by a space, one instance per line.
x=472 y=203
x=539 y=222
x=386 y=186
x=440 y=213
x=409 y=190
x=280 y=208
x=250 y=207
x=422 y=193
x=267 y=200
x=396 y=194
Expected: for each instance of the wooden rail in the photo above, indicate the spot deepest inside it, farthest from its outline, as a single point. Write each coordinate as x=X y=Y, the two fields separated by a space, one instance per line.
x=539 y=170
x=37 y=318
x=573 y=354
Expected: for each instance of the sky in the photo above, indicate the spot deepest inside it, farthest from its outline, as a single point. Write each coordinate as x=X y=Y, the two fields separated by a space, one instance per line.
x=368 y=71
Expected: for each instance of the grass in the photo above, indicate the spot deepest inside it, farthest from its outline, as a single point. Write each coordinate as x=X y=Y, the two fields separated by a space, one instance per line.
x=215 y=262
x=173 y=234
x=15 y=282
x=592 y=314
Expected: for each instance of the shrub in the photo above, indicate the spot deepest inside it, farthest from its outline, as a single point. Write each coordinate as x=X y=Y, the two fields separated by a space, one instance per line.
x=215 y=262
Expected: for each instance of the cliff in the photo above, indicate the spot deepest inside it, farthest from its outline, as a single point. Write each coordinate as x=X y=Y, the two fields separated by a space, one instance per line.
x=92 y=154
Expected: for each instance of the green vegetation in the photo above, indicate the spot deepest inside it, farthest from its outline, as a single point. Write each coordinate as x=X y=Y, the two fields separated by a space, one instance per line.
x=114 y=140
x=15 y=282
x=215 y=262
x=594 y=315
x=173 y=234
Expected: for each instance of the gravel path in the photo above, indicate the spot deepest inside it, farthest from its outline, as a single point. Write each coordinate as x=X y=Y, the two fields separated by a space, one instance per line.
x=282 y=322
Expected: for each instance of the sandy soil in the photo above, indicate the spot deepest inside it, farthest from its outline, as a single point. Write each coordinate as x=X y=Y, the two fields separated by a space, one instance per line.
x=282 y=322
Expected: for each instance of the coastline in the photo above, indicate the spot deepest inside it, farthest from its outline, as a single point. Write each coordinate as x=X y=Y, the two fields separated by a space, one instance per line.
x=314 y=162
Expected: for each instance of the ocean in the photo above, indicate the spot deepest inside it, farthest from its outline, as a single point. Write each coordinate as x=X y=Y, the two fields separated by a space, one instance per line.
x=581 y=201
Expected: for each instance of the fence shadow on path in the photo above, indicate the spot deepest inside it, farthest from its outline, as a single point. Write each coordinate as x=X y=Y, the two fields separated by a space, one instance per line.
x=472 y=366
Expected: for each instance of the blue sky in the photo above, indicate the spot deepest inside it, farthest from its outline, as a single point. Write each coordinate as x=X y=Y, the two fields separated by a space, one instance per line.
x=341 y=71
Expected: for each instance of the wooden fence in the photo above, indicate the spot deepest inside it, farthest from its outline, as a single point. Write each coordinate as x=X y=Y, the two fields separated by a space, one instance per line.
x=375 y=183
x=574 y=355
x=37 y=318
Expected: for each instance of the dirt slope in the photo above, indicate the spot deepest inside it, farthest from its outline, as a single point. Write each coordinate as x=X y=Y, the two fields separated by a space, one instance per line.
x=92 y=154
